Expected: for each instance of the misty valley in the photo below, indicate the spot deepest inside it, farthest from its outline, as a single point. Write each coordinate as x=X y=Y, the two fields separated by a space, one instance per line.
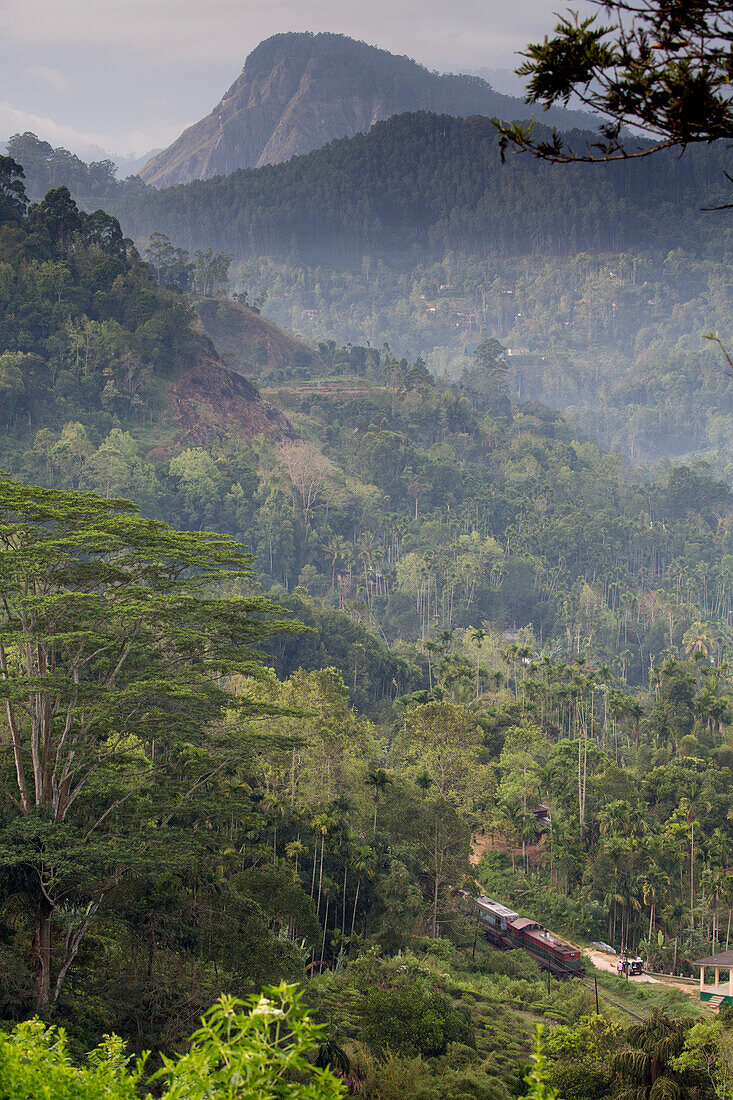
x=366 y=583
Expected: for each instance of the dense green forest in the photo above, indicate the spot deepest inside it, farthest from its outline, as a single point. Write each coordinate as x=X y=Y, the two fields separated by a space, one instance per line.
x=46 y=168
x=613 y=340
x=420 y=185
x=415 y=188
x=609 y=319
x=275 y=753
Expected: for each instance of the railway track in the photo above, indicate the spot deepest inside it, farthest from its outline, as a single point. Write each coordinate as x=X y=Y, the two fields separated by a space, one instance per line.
x=612 y=1001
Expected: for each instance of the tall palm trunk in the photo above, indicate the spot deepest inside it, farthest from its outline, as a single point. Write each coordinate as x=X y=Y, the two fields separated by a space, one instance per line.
x=356 y=902
x=343 y=906
x=320 y=876
x=692 y=873
x=325 y=926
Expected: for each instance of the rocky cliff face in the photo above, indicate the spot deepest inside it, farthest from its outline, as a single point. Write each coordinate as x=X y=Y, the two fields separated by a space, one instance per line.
x=300 y=91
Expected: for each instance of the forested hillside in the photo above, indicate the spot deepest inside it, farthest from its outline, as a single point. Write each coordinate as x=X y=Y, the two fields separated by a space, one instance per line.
x=286 y=679
x=419 y=505
x=614 y=340
x=605 y=293
x=250 y=344
x=90 y=341
x=46 y=168
x=606 y=275
x=297 y=92
x=420 y=185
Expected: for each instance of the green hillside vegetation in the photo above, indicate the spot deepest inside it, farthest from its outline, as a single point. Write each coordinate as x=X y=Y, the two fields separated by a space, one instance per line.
x=201 y=796
x=612 y=340
x=47 y=167
x=606 y=276
x=420 y=185
x=251 y=345
x=417 y=506
x=90 y=341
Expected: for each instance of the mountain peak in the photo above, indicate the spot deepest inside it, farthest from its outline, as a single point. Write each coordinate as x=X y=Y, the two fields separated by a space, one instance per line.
x=299 y=90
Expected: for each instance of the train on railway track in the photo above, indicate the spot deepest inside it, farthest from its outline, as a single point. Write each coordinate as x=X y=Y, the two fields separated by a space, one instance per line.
x=505 y=928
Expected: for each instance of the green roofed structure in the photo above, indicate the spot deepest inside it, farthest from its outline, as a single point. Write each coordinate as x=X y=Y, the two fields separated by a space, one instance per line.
x=717 y=994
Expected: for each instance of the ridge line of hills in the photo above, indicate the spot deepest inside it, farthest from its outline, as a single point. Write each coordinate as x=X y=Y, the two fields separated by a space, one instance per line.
x=298 y=91
x=421 y=183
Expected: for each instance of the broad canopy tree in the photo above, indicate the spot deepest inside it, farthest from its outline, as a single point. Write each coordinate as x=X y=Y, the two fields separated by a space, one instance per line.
x=115 y=641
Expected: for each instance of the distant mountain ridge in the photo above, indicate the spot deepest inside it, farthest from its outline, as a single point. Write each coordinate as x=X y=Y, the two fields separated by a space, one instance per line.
x=299 y=91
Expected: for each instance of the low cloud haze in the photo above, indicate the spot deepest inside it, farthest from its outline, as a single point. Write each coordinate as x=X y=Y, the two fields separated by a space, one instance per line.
x=127 y=75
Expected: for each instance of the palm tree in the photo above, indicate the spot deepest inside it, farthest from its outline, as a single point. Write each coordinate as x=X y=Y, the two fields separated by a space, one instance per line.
x=510 y=656
x=378 y=780
x=699 y=640
x=336 y=550
x=294 y=850
x=655 y=885
x=277 y=809
x=362 y=861
x=330 y=890
x=432 y=650
x=690 y=808
x=322 y=825
x=529 y=833
x=424 y=782
x=605 y=679
x=478 y=636
x=509 y=824
x=645 y=1070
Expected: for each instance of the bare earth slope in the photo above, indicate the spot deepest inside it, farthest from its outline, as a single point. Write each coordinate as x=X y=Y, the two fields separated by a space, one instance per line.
x=209 y=401
x=299 y=91
x=248 y=343
x=206 y=400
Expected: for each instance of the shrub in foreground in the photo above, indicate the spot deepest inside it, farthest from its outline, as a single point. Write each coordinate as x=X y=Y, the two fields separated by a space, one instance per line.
x=243 y=1049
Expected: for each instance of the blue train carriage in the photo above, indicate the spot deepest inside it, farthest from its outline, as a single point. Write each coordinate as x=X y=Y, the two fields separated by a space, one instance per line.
x=495 y=920
x=560 y=958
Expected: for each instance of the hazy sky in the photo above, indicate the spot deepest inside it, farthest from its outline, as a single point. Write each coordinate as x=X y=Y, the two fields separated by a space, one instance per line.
x=128 y=75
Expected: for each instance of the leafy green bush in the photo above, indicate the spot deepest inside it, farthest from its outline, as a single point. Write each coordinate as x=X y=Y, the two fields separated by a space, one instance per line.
x=249 y=1049
x=410 y=1020
x=579 y=1058
x=394 y=1078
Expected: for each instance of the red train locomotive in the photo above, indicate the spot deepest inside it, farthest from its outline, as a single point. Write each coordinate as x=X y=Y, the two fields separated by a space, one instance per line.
x=507 y=929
